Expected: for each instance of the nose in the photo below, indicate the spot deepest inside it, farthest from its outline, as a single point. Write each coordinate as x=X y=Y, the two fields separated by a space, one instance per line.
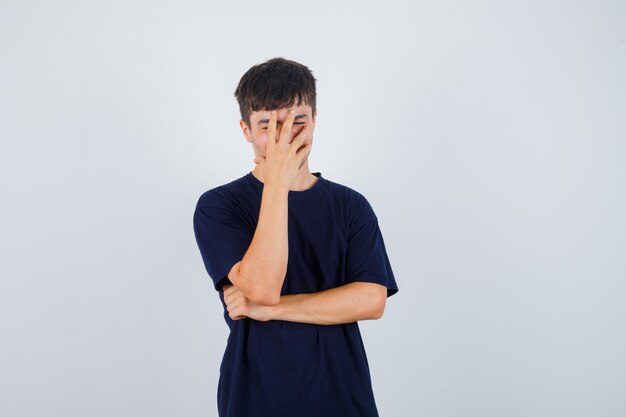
x=279 y=127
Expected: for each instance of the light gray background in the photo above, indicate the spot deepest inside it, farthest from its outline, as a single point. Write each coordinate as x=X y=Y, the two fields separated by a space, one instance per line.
x=488 y=136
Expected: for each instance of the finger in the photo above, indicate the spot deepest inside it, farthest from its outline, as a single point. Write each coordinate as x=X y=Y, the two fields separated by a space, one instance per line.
x=231 y=294
x=297 y=141
x=285 y=130
x=239 y=297
x=271 y=129
x=238 y=309
x=233 y=307
x=303 y=152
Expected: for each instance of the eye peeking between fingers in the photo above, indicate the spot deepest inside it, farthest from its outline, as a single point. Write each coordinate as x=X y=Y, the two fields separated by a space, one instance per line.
x=278 y=128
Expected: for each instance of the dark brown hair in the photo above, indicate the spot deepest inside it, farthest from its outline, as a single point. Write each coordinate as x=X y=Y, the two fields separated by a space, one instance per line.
x=275 y=84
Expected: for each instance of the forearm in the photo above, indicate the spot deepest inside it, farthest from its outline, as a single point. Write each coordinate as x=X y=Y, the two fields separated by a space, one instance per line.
x=345 y=304
x=263 y=267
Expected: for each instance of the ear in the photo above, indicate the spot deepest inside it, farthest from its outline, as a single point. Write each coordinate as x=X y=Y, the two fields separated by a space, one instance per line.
x=245 y=129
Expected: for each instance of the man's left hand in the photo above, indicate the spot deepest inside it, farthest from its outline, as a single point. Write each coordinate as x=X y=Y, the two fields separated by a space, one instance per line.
x=239 y=306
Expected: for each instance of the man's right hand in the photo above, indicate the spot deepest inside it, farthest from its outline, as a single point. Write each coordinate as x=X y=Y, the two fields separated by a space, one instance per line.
x=283 y=158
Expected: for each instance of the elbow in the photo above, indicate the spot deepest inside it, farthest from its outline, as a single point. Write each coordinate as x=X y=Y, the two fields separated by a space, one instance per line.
x=378 y=312
x=254 y=292
x=374 y=296
x=379 y=306
x=265 y=298
x=261 y=296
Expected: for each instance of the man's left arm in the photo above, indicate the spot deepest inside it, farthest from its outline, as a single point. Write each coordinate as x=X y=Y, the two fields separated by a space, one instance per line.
x=344 y=304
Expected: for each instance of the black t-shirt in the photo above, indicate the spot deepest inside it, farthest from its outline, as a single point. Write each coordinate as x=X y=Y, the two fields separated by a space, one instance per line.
x=281 y=368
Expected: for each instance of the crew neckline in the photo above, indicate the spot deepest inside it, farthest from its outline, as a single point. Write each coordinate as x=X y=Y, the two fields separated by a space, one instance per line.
x=259 y=184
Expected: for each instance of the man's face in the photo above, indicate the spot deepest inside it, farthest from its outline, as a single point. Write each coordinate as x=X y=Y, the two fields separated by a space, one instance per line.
x=256 y=133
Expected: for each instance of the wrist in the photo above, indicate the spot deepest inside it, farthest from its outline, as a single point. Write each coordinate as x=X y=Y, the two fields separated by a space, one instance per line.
x=272 y=312
x=275 y=190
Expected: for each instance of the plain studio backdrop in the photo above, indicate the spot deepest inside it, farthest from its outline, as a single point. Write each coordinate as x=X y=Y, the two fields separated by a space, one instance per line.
x=489 y=138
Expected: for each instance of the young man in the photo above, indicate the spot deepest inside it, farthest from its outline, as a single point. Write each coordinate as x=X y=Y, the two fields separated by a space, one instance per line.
x=297 y=260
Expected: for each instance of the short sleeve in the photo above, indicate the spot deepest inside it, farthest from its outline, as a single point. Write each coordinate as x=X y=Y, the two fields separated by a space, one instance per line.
x=222 y=237
x=367 y=259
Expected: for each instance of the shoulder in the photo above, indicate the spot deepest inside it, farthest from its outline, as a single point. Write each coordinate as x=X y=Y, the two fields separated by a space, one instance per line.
x=224 y=195
x=353 y=201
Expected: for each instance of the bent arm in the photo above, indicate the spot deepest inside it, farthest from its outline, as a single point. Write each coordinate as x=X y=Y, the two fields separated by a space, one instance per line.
x=268 y=253
x=345 y=304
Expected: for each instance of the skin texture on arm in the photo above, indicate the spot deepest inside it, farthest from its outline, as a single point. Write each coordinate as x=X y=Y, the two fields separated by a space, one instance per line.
x=268 y=252
x=345 y=304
